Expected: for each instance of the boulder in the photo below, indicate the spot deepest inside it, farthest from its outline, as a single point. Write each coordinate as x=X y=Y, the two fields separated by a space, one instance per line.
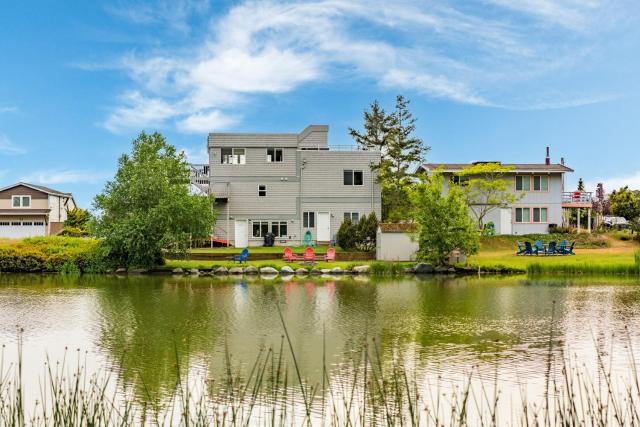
x=315 y=272
x=221 y=271
x=360 y=269
x=337 y=270
x=302 y=271
x=268 y=270
x=409 y=270
x=251 y=270
x=177 y=271
x=194 y=271
x=236 y=270
x=423 y=268
x=325 y=271
x=286 y=270
x=441 y=270
x=121 y=270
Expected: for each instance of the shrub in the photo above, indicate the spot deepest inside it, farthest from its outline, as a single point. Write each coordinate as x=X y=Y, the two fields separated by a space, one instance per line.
x=347 y=235
x=73 y=232
x=367 y=230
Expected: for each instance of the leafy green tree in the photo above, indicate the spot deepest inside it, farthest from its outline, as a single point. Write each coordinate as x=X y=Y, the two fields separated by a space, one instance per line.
x=625 y=203
x=393 y=135
x=444 y=221
x=580 y=184
x=77 y=221
x=147 y=208
x=485 y=188
x=347 y=235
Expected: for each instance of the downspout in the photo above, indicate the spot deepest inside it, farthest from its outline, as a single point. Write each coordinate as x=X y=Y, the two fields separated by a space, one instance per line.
x=300 y=214
x=228 y=223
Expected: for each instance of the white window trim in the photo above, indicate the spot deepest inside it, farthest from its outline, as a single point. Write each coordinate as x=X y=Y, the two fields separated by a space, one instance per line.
x=353 y=177
x=315 y=217
x=274 y=152
x=20 y=198
x=233 y=155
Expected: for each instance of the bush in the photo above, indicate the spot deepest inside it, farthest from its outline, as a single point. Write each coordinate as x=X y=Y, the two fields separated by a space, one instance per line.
x=367 y=232
x=347 y=235
x=55 y=254
x=73 y=232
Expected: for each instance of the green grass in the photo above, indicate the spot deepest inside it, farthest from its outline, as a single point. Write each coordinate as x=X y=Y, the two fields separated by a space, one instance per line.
x=277 y=264
x=262 y=250
x=508 y=242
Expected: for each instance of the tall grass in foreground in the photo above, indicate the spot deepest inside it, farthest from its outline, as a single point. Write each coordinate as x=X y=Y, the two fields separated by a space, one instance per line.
x=363 y=391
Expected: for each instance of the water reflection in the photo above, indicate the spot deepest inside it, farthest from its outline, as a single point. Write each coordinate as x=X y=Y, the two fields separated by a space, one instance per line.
x=138 y=325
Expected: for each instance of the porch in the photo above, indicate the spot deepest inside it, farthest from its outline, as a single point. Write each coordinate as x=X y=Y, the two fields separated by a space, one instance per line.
x=579 y=200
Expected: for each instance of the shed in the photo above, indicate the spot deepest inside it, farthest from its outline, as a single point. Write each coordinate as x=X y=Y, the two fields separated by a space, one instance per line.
x=396 y=242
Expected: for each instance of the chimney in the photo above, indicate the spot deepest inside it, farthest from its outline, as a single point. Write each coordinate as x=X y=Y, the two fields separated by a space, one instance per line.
x=562 y=161
x=547 y=160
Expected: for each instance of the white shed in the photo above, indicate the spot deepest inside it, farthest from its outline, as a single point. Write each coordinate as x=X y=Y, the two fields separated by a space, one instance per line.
x=396 y=242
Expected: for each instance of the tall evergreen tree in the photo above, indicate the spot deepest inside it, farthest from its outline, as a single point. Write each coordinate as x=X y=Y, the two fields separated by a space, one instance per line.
x=393 y=135
x=580 y=185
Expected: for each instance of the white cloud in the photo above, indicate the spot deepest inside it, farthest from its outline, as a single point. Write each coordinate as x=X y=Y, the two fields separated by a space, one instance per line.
x=174 y=14
x=198 y=156
x=65 y=176
x=616 y=182
x=9 y=148
x=8 y=109
x=473 y=55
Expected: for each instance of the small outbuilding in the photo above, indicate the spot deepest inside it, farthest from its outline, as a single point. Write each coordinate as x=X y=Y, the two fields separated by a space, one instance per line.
x=396 y=242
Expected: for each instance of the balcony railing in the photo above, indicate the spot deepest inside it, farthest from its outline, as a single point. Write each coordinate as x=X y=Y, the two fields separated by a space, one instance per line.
x=577 y=197
x=200 y=177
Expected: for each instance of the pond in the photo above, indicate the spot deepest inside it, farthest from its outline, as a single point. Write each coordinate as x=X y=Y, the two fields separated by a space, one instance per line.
x=499 y=336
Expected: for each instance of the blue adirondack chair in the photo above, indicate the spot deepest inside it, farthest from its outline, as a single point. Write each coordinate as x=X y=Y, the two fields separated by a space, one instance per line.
x=539 y=247
x=522 y=249
x=562 y=248
x=529 y=250
x=242 y=258
x=569 y=250
x=551 y=249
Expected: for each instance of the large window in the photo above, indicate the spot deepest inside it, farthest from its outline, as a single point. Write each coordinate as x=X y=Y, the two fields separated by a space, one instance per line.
x=539 y=214
x=308 y=219
x=275 y=155
x=352 y=177
x=262 y=191
x=233 y=156
x=353 y=216
x=260 y=228
x=21 y=201
x=523 y=183
x=460 y=180
x=540 y=183
x=523 y=215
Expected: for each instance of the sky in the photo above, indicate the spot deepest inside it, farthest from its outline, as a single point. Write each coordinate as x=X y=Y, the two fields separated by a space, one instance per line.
x=487 y=79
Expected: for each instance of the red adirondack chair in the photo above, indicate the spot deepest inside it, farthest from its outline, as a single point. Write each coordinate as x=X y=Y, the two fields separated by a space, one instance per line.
x=288 y=255
x=331 y=255
x=309 y=255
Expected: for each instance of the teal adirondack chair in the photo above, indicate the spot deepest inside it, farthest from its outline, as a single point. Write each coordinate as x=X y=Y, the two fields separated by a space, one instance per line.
x=308 y=239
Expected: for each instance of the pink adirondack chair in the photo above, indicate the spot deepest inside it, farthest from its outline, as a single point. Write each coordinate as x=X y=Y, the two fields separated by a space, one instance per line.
x=331 y=255
x=309 y=255
x=288 y=255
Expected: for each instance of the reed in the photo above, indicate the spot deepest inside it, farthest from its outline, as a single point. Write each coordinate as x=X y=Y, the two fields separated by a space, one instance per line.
x=586 y=269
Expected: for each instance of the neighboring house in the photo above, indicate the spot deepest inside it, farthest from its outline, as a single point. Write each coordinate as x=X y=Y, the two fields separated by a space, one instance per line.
x=28 y=210
x=396 y=242
x=287 y=184
x=544 y=196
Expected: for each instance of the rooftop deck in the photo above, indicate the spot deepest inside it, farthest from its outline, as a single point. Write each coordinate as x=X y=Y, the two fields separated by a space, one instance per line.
x=577 y=199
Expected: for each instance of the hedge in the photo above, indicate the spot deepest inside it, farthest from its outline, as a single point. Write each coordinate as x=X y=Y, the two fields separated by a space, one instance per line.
x=50 y=254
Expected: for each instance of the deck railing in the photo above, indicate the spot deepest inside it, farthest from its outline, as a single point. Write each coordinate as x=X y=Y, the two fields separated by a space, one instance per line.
x=577 y=197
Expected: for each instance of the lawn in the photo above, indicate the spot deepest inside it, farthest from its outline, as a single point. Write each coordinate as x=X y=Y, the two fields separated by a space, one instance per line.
x=277 y=264
x=262 y=250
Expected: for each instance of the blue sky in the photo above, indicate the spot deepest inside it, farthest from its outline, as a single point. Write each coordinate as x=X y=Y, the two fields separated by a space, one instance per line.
x=487 y=79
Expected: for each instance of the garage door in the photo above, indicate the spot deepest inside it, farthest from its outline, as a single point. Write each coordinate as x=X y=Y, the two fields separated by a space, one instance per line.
x=20 y=229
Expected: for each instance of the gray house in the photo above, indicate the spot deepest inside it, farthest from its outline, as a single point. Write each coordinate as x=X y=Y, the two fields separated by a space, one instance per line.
x=544 y=198
x=287 y=184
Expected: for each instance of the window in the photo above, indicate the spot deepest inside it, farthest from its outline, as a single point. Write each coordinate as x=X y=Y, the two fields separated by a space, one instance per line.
x=260 y=228
x=38 y=223
x=21 y=201
x=523 y=215
x=15 y=223
x=539 y=214
x=4 y=223
x=233 y=156
x=27 y=223
x=274 y=155
x=540 y=183
x=279 y=228
x=262 y=191
x=308 y=219
x=353 y=216
x=523 y=183
x=352 y=177
x=460 y=180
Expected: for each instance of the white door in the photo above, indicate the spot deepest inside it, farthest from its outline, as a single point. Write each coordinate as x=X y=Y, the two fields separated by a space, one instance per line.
x=505 y=221
x=324 y=227
x=21 y=229
x=241 y=234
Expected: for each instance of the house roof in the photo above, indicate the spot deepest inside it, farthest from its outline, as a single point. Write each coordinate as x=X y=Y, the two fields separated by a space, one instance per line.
x=518 y=167
x=38 y=188
x=387 y=227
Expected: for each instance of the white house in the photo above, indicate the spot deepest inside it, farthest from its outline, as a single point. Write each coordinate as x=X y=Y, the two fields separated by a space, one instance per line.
x=28 y=210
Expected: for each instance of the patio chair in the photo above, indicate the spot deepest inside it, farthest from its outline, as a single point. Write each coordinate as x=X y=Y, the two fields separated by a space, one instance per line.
x=288 y=255
x=539 y=247
x=242 y=258
x=522 y=249
x=562 y=247
x=331 y=255
x=308 y=239
x=309 y=255
x=551 y=249
x=569 y=250
x=529 y=250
